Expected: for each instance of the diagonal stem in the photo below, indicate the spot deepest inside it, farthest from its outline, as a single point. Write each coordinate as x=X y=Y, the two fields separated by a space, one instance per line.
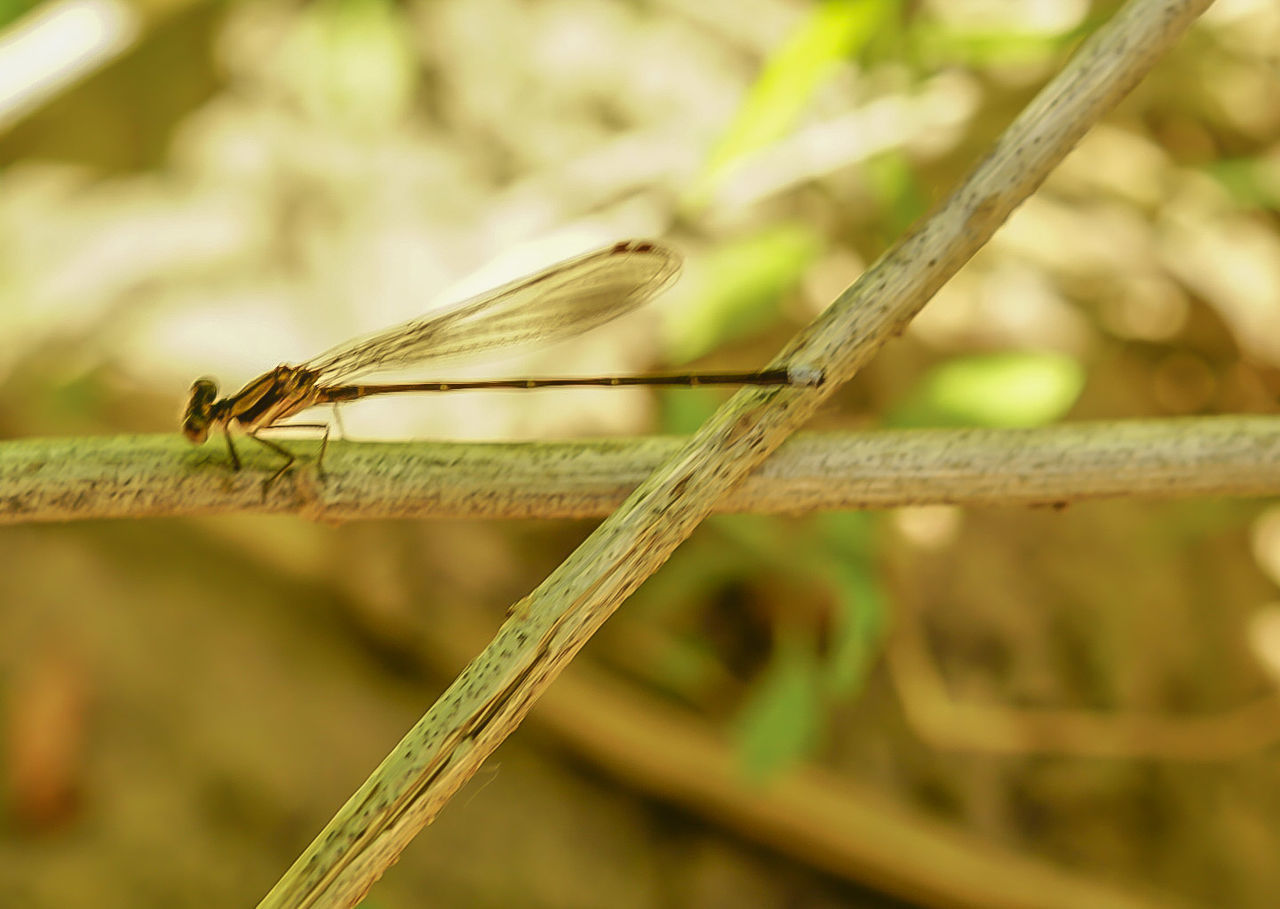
x=491 y=696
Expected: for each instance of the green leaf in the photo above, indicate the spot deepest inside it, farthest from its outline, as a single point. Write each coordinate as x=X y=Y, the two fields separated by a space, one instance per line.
x=13 y=10
x=1252 y=182
x=684 y=410
x=846 y=557
x=778 y=725
x=984 y=46
x=848 y=534
x=754 y=535
x=892 y=177
x=1000 y=390
x=859 y=628
x=834 y=31
x=351 y=61
x=739 y=291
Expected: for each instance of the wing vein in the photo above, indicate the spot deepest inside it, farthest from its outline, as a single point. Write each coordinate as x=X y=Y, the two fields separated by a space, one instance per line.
x=556 y=303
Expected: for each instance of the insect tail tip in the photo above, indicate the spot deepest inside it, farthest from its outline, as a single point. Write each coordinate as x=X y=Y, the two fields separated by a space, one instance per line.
x=806 y=375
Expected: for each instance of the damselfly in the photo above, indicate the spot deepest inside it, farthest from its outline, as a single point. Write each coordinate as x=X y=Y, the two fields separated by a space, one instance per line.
x=551 y=305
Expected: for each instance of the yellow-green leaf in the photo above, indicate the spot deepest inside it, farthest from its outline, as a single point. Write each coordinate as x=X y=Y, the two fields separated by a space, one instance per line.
x=1000 y=390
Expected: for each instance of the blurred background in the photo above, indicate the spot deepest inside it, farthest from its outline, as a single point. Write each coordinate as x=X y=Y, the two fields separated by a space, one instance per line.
x=836 y=710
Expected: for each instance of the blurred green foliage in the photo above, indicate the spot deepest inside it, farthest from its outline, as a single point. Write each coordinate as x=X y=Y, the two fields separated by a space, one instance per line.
x=352 y=61
x=1010 y=389
x=12 y=10
x=779 y=722
x=824 y=630
x=1250 y=180
x=901 y=200
x=833 y=32
x=739 y=288
x=992 y=45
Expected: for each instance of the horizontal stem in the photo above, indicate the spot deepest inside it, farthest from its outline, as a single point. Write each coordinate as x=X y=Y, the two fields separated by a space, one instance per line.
x=163 y=476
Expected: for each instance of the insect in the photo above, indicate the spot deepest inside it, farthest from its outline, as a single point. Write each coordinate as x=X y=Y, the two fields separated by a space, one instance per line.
x=559 y=302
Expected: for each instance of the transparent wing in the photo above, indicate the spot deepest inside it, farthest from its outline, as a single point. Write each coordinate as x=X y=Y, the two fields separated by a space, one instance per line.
x=551 y=305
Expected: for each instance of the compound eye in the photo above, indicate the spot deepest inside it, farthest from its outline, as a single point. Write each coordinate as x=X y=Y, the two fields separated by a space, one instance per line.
x=195 y=430
x=197 y=415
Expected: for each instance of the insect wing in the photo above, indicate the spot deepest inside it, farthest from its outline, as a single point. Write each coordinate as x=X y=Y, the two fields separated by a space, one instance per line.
x=559 y=302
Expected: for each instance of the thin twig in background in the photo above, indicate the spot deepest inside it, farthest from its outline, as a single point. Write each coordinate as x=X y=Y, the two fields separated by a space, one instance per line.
x=162 y=476
x=820 y=818
x=968 y=724
x=546 y=629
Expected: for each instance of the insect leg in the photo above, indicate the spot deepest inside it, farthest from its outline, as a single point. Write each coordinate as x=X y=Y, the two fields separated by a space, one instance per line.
x=288 y=455
x=278 y=449
x=231 y=449
x=324 y=444
x=337 y=418
x=324 y=440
